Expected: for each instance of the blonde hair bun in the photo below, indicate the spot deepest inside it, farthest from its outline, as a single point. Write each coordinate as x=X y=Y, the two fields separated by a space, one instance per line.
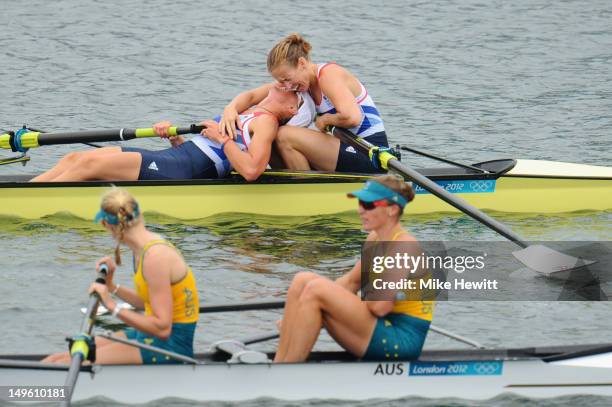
x=288 y=51
x=119 y=202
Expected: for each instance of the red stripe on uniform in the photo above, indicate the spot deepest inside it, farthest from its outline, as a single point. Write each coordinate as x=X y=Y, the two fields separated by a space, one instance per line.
x=364 y=96
x=244 y=123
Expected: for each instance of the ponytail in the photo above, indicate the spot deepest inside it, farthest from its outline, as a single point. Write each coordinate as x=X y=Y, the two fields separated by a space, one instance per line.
x=119 y=208
x=288 y=51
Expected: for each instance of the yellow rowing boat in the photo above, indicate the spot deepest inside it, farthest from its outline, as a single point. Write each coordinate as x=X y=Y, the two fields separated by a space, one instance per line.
x=513 y=186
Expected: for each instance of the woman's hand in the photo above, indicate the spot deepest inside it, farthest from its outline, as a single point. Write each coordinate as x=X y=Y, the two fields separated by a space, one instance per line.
x=229 y=122
x=104 y=294
x=213 y=132
x=322 y=122
x=110 y=263
x=279 y=324
x=161 y=128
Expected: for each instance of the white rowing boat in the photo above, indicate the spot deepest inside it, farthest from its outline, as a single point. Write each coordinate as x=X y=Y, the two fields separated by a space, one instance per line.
x=467 y=374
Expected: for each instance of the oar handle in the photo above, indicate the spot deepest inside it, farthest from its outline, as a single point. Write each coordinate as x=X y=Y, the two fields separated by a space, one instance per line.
x=80 y=344
x=94 y=301
x=102 y=273
x=21 y=140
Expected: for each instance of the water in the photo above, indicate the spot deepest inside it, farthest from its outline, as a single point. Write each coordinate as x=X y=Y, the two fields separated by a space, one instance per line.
x=468 y=80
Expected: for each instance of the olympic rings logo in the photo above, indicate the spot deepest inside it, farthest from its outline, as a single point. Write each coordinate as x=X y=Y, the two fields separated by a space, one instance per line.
x=486 y=368
x=481 y=186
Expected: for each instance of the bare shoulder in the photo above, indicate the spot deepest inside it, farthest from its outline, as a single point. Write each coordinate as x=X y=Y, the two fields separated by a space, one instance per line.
x=333 y=72
x=335 y=69
x=266 y=119
x=265 y=123
x=160 y=258
x=334 y=76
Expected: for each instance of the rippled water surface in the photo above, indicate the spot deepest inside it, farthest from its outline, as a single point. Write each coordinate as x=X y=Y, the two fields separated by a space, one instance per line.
x=468 y=80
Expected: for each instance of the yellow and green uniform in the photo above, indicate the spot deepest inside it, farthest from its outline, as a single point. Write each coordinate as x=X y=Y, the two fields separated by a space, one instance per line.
x=400 y=334
x=185 y=313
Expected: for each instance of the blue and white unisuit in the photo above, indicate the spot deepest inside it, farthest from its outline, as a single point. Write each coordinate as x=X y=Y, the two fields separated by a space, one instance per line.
x=214 y=150
x=371 y=128
x=199 y=157
x=371 y=122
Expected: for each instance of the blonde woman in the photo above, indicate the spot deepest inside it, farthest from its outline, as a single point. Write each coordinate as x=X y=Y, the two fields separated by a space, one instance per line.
x=207 y=155
x=390 y=329
x=164 y=287
x=340 y=100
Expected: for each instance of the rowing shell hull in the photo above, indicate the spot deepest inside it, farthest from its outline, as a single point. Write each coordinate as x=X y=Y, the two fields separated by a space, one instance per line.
x=525 y=188
x=477 y=379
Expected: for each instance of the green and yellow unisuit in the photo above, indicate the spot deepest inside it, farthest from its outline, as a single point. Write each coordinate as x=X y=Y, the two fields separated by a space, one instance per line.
x=400 y=334
x=185 y=313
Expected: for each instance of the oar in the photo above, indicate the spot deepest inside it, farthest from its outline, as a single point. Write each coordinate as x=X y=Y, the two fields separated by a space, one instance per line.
x=81 y=345
x=260 y=338
x=444 y=160
x=42 y=131
x=14 y=160
x=229 y=307
x=245 y=306
x=20 y=141
x=23 y=158
x=537 y=257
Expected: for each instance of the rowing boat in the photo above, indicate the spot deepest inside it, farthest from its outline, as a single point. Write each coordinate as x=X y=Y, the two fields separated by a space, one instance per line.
x=513 y=186
x=467 y=374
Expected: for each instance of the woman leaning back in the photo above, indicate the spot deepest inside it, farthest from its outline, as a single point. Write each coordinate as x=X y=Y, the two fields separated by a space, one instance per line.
x=164 y=287
x=340 y=100
x=390 y=329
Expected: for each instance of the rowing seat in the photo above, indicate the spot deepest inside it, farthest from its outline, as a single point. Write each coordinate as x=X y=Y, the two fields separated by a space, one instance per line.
x=239 y=352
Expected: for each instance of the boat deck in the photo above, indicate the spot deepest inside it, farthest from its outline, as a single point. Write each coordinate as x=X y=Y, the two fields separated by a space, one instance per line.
x=544 y=353
x=494 y=169
x=512 y=186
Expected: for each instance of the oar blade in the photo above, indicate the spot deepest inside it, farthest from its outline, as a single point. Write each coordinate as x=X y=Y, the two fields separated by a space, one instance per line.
x=548 y=261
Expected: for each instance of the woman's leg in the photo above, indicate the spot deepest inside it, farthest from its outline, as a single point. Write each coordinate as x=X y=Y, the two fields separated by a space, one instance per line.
x=69 y=159
x=291 y=305
x=118 y=354
x=325 y=303
x=112 y=166
x=107 y=352
x=303 y=149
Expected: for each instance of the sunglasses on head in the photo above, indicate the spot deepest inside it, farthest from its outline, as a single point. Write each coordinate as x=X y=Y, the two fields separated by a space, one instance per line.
x=368 y=206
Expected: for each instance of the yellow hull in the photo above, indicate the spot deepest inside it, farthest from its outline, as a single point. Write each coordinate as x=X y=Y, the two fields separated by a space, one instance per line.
x=285 y=198
x=530 y=195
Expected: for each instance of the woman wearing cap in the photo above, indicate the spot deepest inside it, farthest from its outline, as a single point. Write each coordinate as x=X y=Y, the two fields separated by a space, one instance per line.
x=391 y=329
x=164 y=287
x=340 y=99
